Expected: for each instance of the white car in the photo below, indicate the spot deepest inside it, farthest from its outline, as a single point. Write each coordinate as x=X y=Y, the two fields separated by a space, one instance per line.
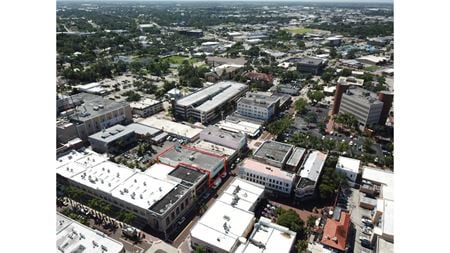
x=367 y=230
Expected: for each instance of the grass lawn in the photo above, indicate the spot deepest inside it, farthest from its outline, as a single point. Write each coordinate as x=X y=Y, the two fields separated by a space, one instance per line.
x=177 y=59
x=299 y=30
x=371 y=68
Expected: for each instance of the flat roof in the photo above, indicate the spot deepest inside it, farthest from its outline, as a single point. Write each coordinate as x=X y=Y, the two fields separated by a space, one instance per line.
x=238 y=61
x=377 y=175
x=171 y=127
x=143 y=190
x=75 y=162
x=222 y=225
x=249 y=128
x=254 y=165
x=215 y=148
x=242 y=194
x=384 y=246
x=141 y=129
x=348 y=164
x=111 y=134
x=104 y=177
x=159 y=170
x=362 y=95
x=144 y=103
x=194 y=157
x=187 y=174
x=224 y=134
x=273 y=150
x=350 y=80
x=212 y=96
x=296 y=156
x=94 y=106
x=75 y=237
x=273 y=237
x=265 y=102
x=309 y=61
x=388 y=217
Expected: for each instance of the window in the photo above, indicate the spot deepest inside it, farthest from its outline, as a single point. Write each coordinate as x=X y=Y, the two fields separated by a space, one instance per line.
x=167 y=221
x=178 y=210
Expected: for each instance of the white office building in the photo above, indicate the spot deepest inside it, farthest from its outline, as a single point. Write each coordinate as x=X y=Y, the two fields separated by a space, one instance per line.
x=348 y=167
x=257 y=105
x=273 y=178
x=229 y=220
x=146 y=107
x=159 y=200
x=363 y=104
x=72 y=236
x=268 y=237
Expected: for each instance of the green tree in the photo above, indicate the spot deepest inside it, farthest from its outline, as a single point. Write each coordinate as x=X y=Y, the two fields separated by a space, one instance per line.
x=300 y=105
x=200 y=249
x=290 y=219
x=301 y=245
x=301 y=44
x=315 y=96
x=279 y=126
x=367 y=145
x=329 y=182
x=126 y=216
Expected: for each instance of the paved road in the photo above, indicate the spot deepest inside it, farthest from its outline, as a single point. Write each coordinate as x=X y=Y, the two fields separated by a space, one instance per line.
x=181 y=238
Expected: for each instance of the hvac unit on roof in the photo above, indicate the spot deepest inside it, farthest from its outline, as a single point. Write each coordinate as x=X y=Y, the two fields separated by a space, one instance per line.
x=145 y=184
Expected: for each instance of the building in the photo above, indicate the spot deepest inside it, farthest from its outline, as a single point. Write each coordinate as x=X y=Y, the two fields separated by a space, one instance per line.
x=229 y=219
x=208 y=103
x=72 y=236
x=387 y=98
x=175 y=129
x=146 y=107
x=217 y=135
x=191 y=32
x=257 y=105
x=277 y=154
x=250 y=129
x=256 y=76
x=155 y=196
x=350 y=80
x=348 y=167
x=273 y=178
x=372 y=60
x=309 y=174
x=216 y=61
x=361 y=103
x=112 y=140
x=268 y=237
x=204 y=161
x=289 y=89
x=336 y=232
x=380 y=184
x=93 y=114
x=93 y=88
x=351 y=63
x=310 y=65
x=334 y=41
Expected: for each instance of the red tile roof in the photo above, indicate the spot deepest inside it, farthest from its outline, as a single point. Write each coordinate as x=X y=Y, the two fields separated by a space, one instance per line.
x=335 y=232
x=259 y=76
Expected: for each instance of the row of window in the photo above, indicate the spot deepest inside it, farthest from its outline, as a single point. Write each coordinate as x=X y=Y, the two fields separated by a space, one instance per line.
x=176 y=212
x=270 y=185
x=251 y=175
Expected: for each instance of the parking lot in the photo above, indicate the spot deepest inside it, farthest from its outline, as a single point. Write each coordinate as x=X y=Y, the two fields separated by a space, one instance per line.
x=357 y=213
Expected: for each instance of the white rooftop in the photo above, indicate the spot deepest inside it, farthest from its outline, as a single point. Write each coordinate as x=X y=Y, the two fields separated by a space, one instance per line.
x=212 y=96
x=313 y=165
x=159 y=170
x=144 y=103
x=348 y=164
x=247 y=192
x=248 y=128
x=104 y=177
x=215 y=148
x=275 y=238
x=143 y=190
x=171 y=127
x=75 y=237
x=222 y=225
x=386 y=178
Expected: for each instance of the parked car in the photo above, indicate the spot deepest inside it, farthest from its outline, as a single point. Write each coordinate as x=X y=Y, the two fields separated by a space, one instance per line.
x=366 y=244
x=366 y=221
x=367 y=230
